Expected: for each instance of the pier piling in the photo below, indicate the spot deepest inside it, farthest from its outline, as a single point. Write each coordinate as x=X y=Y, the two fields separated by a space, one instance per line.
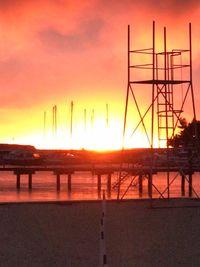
x=18 y=181
x=58 y=181
x=140 y=185
x=30 y=181
x=190 y=184
x=99 y=183
x=69 y=182
x=183 y=185
x=150 y=185
x=109 y=184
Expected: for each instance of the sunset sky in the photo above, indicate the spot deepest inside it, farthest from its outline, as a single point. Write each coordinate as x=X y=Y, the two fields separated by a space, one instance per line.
x=53 y=52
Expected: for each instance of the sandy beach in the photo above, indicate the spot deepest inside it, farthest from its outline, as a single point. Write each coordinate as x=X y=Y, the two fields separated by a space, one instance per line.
x=68 y=233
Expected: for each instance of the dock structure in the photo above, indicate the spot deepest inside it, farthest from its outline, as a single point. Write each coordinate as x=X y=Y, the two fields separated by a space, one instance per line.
x=99 y=174
x=21 y=171
x=58 y=173
x=139 y=177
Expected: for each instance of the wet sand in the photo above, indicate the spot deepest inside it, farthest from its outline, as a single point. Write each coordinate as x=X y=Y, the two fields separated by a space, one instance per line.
x=68 y=233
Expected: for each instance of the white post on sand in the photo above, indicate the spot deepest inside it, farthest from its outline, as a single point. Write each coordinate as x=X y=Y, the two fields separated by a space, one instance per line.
x=103 y=255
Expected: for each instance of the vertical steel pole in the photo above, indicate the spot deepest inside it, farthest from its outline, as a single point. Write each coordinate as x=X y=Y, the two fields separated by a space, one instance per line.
x=172 y=88
x=126 y=108
x=152 y=115
x=165 y=86
x=153 y=87
x=128 y=87
x=191 y=82
x=166 y=108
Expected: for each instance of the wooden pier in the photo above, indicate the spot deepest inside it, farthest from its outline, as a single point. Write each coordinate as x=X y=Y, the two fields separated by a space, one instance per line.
x=99 y=170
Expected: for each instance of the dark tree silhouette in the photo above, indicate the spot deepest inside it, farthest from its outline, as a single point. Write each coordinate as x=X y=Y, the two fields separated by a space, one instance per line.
x=183 y=123
x=189 y=136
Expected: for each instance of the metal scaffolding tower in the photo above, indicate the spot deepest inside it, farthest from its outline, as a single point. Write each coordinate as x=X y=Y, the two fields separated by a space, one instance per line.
x=167 y=78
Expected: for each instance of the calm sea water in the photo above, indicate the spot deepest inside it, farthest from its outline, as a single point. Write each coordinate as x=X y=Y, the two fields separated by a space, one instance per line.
x=84 y=187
